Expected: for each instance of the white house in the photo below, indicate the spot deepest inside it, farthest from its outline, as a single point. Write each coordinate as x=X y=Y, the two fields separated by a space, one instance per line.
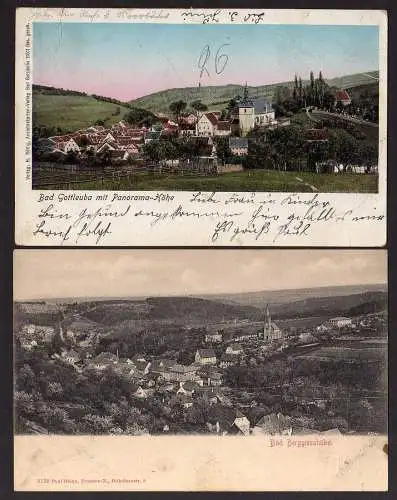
x=205 y=357
x=223 y=128
x=206 y=124
x=242 y=423
x=338 y=322
x=215 y=338
x=238 y=146
x=141 y=393
x=234 y=349
x=209 y=125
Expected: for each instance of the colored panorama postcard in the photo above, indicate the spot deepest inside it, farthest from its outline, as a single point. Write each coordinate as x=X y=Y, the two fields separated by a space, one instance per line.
x=200 y=370
x=201 y=127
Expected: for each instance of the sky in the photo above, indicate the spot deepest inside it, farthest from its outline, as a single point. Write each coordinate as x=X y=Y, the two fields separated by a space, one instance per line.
x=131 y=273
x=126 y=60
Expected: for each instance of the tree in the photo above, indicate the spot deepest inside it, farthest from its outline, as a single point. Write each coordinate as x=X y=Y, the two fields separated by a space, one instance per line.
x=295 y=90
x=222 y=148
x=177 y=107
x=231 y=106
x=300 y=92
x=312 y=89
x=321 y=89
x=140 y=116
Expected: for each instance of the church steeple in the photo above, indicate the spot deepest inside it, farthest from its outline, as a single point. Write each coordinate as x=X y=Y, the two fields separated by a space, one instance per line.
x=245 y=94
x=267 y=322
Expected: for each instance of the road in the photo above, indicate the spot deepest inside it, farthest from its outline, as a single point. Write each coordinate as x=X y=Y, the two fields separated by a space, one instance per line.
x=341 y=117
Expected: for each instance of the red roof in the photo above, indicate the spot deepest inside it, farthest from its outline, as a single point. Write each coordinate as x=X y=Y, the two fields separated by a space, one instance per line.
x=223 y=126
x=212 y=118
x=317 y=134
x=342 y=95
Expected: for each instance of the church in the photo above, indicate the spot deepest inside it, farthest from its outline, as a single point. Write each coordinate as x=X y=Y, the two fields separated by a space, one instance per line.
x=270 y=330
x=256 y=112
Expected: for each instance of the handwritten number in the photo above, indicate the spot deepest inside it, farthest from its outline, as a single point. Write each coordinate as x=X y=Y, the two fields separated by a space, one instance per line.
x=221 y=59
x=202 y=63
x=219 y=66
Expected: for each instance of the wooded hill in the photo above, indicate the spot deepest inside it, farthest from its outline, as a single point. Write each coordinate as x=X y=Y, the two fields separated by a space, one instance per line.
x=218 y=96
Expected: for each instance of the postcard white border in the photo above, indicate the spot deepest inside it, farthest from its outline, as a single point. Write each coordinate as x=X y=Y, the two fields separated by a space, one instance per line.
x=358 y=219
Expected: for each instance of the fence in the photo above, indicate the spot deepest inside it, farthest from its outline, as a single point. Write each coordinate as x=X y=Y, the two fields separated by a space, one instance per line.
x=55 y=176
x=61 y=176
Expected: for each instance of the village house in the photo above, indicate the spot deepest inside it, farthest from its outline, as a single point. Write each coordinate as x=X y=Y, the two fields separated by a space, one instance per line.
x=238 y=146
x=153 y=135
x=103 y=361
x=126 y=370
x=227 y=360
x=71 y=357
x=142 y=393
x=316 y=135
x=214 y=338
x=210 y=394
x=181 y=373
x=184 y=400
x=223 y=420
x=160 y=365
x=27 y=342
x=234 y=349
x=273 y=424
x=209 y=125
x=188 y=387
x=188 y=119
x=65 y=144
x=141 y=364
x=205 y=357
x=342 y=97
x=215 y=379
x=186 y=130
x=332 y=323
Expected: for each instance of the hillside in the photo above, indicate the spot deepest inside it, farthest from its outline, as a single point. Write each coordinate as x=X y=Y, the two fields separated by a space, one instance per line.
x=169 y=309
x=348 y=305
x=216 y=96
x=73 y=112
x=275 y=297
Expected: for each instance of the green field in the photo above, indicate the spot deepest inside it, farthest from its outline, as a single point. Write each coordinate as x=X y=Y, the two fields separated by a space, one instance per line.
x=71 y=113
x=359 y=353
x=251 y=180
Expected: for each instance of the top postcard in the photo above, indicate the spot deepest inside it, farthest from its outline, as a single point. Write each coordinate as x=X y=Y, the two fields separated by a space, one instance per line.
x=200 y=127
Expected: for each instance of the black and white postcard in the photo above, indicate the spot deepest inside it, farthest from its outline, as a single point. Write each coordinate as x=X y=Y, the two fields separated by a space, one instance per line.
x=200 y=370
x=201 y=127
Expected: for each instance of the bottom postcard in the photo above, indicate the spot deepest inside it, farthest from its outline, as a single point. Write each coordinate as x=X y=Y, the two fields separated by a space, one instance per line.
x=200 y=370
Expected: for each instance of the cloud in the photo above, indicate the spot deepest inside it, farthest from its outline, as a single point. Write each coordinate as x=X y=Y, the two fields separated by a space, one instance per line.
x=68 y=273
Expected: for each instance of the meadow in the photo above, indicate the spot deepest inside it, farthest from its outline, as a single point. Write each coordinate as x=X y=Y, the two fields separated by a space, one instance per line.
x=248 y=181
x=71 y=113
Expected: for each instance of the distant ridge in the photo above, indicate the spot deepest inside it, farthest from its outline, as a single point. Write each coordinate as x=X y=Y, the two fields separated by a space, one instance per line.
x=220 y=94
x=258 y=298
x=273 y=296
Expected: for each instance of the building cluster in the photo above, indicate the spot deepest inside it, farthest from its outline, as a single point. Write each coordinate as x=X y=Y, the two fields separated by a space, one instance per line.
x=186 y=386
x=123 y=142
x=335 y=324
x=120 y=141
